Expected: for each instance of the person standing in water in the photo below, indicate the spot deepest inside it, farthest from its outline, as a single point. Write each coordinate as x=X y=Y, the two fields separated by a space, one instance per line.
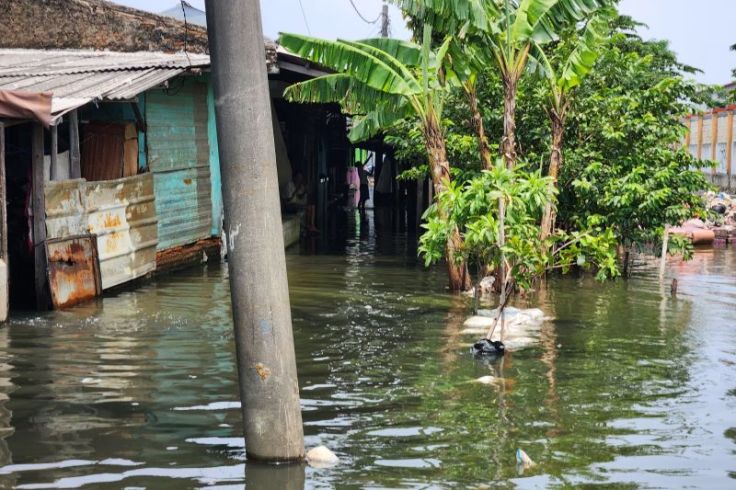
x=364 y=189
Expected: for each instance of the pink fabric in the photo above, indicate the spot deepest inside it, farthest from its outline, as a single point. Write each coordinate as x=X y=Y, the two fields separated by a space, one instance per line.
x=354 y=183
x=17 y=104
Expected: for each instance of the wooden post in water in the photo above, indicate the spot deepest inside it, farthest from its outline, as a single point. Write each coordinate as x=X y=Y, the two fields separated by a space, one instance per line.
x=665 y=244
x=39 y=219
x=269 y=390
x=4 y=265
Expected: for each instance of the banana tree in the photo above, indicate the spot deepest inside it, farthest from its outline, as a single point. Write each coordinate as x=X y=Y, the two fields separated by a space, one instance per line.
x=505 y=30
x=379 y=82
x=562 y=82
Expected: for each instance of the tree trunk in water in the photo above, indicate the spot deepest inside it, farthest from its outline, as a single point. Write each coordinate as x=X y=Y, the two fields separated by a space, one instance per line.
x=476 y=120
x=440 y=171
x=508 y=145
x=555 y=164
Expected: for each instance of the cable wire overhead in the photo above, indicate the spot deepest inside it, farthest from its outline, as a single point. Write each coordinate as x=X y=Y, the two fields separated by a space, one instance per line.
x=304 y=16
x=363 y=18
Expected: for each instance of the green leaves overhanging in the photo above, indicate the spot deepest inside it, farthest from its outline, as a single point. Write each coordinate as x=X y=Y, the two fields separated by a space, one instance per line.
x=350 y=59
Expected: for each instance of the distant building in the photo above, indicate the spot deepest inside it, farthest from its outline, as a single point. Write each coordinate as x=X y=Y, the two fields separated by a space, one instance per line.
x=710 y=136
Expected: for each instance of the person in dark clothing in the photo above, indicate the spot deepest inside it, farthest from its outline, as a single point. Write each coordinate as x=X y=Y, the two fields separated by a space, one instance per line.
x=364 y=190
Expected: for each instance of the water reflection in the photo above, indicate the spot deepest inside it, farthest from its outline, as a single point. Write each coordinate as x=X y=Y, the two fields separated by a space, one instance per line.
x=626 y=384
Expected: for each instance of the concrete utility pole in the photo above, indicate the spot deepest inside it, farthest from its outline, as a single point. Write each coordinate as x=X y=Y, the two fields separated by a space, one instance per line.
x=385 y=22
x=269 y=389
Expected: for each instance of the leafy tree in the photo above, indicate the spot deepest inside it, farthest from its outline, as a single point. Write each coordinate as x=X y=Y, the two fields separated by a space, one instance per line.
x=503 y=34
x=499 y=32
x=382 y=81
x=625 y=166
x=473 y=208
x=572 y=69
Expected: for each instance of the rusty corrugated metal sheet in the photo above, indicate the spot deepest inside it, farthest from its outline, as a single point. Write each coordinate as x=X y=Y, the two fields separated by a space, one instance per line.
x=74 y=274
x=120 y=212
x=178 y=155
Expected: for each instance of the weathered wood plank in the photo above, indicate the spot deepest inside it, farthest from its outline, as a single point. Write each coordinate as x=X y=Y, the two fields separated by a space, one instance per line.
x=39 y=219
x=3 y=200
x=54 y=151
x=75 y=169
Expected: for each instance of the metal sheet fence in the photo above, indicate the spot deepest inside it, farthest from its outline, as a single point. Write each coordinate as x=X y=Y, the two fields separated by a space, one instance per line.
x=179 y=158
x=121 y=213
x=710 y=136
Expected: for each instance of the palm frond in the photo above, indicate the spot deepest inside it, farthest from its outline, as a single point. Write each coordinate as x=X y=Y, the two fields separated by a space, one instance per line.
x=585 y=54
x=529 y=22
x=408 y=53
x=341 y=88
x=379 y=119
x=346 y=58
x=449 y=15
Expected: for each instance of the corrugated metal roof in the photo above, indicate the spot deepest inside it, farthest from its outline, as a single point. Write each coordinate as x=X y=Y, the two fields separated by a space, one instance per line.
x=78 y=77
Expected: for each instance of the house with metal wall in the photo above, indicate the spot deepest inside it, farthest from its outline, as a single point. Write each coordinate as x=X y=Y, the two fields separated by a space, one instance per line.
x=126 y=169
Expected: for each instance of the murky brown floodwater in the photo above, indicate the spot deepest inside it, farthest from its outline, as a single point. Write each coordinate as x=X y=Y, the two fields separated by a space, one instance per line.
x=627 y=387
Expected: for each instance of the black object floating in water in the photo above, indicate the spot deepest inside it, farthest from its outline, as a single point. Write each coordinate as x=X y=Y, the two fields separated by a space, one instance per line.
x=485 y=347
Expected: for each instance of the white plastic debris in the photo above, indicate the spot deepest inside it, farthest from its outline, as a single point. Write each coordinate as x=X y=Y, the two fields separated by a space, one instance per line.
x=489 y=380
x=521 y=326
x=523 y=459
x=321 y=457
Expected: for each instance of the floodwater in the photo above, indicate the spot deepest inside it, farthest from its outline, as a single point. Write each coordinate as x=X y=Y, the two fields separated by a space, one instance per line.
x=627 y=387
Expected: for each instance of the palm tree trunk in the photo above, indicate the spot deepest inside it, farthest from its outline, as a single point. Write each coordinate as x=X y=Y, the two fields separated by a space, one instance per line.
x=510 y=84
x=440 y=172
x=555 y=164
x=476 y=121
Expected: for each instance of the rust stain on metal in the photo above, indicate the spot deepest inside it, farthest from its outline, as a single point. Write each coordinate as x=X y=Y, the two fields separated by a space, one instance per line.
x=188 y=181
x=262 y=371
x=176 y=257
x=73 y=270
x=122 y=215
x=112 y=243
x=111 y=221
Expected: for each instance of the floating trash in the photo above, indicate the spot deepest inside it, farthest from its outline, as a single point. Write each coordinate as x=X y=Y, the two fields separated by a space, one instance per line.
x=488 y=348
x=321 y=457
x=523 y=459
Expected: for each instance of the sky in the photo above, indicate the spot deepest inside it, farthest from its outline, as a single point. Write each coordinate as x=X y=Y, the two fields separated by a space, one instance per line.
x=699 y=31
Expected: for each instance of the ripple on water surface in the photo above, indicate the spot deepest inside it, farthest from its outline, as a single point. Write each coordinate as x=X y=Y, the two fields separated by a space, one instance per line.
x=626 y=386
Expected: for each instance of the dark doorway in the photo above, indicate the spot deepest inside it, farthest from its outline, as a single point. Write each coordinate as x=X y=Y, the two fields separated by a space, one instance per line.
x=20 y=241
